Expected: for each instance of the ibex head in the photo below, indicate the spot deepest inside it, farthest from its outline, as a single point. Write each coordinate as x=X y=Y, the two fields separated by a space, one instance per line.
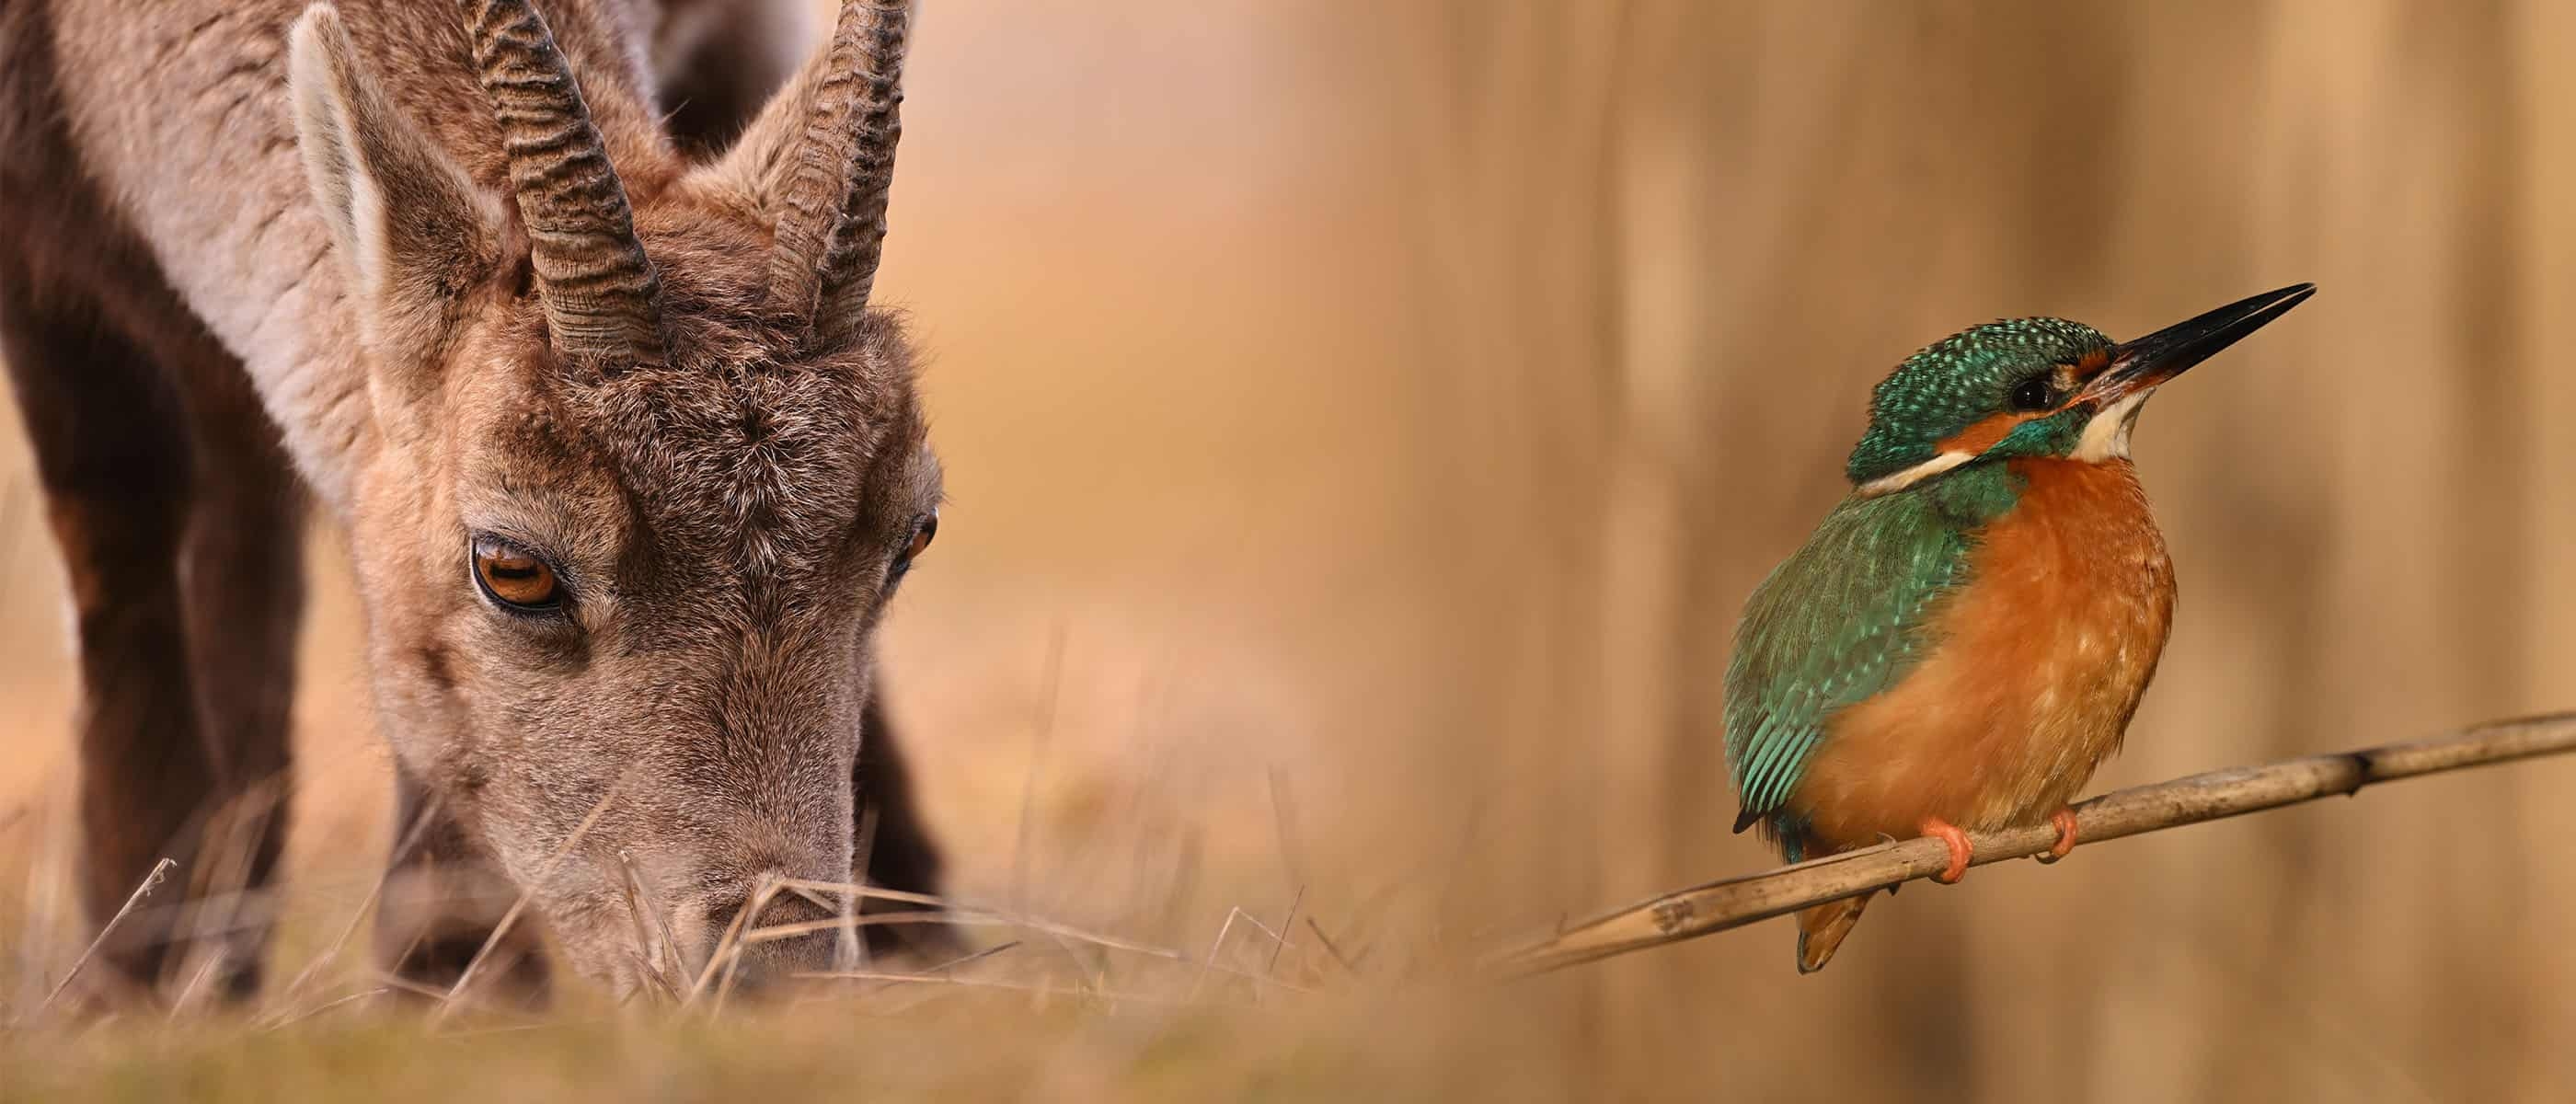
x=646 y=466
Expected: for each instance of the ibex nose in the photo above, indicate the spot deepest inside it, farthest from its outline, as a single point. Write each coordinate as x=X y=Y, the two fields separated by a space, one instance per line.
x=791 y=934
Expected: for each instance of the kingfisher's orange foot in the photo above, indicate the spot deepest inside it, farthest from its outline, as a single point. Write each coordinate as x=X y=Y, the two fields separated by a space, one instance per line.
x=2064 y=819
x=1960 y=852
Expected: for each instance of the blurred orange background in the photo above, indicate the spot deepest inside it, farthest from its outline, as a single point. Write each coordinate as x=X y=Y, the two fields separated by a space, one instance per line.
x=1379 y=412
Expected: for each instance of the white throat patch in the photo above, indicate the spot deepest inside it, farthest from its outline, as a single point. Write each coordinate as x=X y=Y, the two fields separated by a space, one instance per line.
x=2106 y=437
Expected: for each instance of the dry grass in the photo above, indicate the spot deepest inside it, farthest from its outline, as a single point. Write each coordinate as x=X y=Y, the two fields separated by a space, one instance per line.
x=1041 y=1002
x=963 y=1044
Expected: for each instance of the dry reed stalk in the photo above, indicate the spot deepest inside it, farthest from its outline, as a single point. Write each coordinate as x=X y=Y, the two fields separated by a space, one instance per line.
x=323 y=1007
x=213 y=961
x=1266 y=930
x=1283 y=826
x=1182 y=881
x=410 y=838
x=1042 y=729
x=728 y=947
x=220 y=894
x=1735 y=902
x=660 y=958
x=945 y=969
x=1222 y=931
x=977 y=914
x=160 y=870
x=401 y=984
x=1330 y=948
x=851 y=952
x=448 y=1003
x=971 y=958
x=732 y=956
x=775 y=932
x=1279 y=939
x=976 y=983
x=953 y=913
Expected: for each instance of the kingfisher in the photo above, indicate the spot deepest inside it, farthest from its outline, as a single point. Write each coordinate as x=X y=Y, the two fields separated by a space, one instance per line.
x=1965 y=637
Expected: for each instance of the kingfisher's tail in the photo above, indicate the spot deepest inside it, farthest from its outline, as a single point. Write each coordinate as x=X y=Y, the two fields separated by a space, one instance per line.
x=1822 y=928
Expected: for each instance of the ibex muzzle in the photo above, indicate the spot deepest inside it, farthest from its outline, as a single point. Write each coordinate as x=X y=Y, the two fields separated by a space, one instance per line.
x=628 y=466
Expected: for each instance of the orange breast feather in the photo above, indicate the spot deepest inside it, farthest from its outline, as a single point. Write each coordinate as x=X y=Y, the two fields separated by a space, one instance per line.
x=2040 y=660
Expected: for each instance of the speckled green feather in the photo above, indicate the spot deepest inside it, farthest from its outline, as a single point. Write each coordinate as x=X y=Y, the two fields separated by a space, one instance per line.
x=1843 y=618
x=1955 y=381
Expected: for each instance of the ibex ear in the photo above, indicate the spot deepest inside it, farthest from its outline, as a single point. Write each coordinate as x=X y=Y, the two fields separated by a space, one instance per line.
x=762 y=160
x=413 y=233
x=820 y=161
x=777 y=146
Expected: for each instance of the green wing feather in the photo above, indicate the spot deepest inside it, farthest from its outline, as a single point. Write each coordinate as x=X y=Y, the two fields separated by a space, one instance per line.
x=1839 y=621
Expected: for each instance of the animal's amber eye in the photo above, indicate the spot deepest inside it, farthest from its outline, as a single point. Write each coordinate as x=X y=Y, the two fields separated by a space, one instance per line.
x=513 y=577
x=922 y=532
x=923 y=529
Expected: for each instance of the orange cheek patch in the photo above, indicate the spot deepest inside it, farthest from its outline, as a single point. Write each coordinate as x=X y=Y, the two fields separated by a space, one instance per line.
x=2073 y=378
x=1985 y=433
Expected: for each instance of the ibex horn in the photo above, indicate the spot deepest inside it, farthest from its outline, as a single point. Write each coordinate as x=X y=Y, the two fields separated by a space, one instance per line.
x=600 y=293
x=831 y=213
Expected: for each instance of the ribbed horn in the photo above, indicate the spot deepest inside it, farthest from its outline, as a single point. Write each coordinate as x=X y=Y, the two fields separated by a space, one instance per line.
x=601 y=295
x=831 y=215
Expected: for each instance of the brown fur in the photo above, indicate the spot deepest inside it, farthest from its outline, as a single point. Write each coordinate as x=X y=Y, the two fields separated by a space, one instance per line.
x=199 y=345
x=2042 y=658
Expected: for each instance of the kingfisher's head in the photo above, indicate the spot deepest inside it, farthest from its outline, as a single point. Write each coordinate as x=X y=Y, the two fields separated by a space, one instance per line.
x=2034 y=387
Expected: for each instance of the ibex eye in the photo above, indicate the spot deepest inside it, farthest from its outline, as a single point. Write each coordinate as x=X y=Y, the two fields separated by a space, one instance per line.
x=922 y=532
x=513 y=577
x=923 y=529
x=2032 y=394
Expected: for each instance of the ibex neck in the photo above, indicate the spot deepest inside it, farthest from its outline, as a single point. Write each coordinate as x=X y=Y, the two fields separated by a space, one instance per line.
x=181 y=113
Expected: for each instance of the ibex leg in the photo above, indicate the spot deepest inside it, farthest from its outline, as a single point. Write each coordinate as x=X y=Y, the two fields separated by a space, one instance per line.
x=112 y=461
x=901 y=854
x=242 y=581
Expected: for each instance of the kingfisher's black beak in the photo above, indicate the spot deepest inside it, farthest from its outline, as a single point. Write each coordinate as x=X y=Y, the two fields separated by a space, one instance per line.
x=2151 y=360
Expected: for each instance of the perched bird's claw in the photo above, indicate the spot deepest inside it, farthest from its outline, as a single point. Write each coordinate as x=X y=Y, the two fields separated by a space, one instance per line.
x=2064 y=819
x=1960 y=851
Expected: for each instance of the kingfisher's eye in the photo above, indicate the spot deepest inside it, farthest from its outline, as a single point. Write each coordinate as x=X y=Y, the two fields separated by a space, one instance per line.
x=2032 y=394
x=514 y=577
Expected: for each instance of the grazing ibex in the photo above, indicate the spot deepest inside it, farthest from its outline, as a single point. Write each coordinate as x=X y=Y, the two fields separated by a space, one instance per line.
x=627 y=466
